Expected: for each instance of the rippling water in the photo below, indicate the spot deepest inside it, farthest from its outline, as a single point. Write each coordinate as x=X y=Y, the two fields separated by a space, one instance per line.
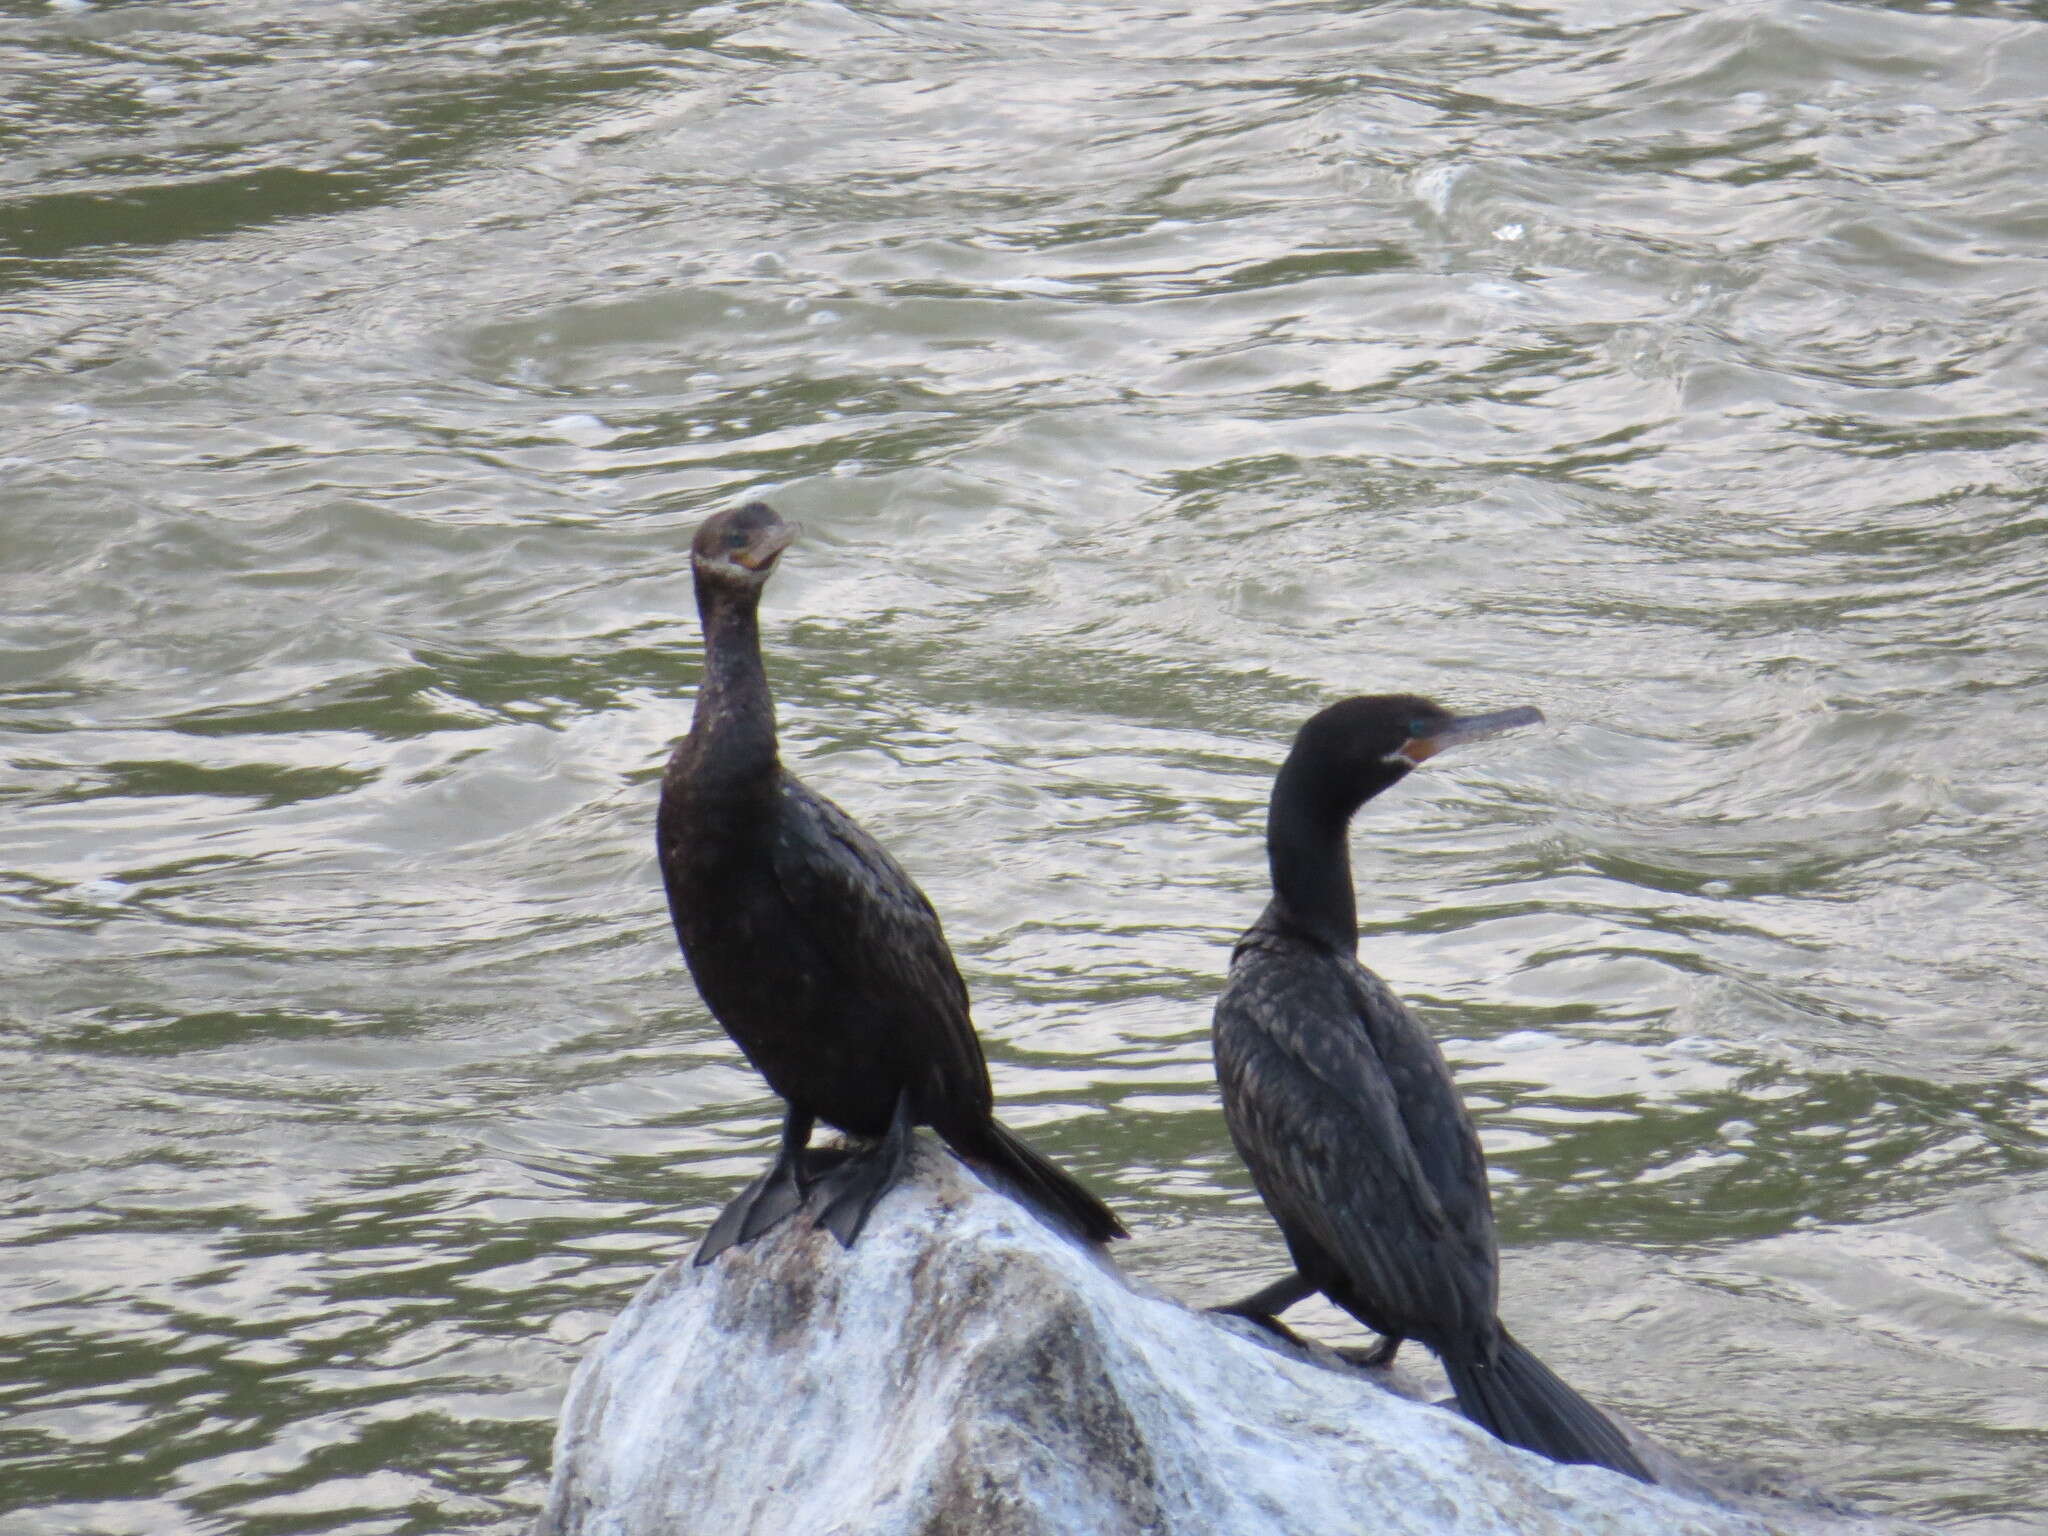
x=1146 y=376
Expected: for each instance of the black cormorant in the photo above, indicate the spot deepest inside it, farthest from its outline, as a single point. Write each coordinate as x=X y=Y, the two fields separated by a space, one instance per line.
x=1344 y=1111
x=818 y=954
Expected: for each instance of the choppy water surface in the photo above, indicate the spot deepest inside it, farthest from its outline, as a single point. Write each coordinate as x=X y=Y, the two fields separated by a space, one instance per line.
x=1146 y=376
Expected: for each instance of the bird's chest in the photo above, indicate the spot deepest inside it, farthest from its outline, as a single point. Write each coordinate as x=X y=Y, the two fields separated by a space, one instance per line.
x=731 y=915
x=724 y=897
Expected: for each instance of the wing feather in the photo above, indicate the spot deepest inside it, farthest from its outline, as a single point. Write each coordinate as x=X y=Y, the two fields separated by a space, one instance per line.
x=1324 y=1121
x=881 y=938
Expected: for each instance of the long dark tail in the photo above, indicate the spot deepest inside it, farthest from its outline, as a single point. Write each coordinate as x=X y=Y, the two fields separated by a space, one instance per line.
x=1521 y=1400
x=1041 y=1181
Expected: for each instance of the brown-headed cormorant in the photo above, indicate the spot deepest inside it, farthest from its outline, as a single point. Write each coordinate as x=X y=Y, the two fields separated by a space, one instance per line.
x=1344 y=1111
x=818 y=954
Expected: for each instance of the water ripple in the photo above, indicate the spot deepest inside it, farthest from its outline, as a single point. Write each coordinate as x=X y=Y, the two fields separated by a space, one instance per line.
x=1145 y=376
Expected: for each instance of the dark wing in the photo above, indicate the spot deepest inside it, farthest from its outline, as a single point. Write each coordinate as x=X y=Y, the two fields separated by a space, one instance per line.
x=888 y=954
x=1439 y=1126
x=1321 y=1124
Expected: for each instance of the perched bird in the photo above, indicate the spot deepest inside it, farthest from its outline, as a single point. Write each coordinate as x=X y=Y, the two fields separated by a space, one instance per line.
x=1343 y=1109
x=818 y=954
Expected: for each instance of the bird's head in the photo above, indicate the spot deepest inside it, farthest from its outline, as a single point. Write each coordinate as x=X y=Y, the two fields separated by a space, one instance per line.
x=1351 y=751
x=739 y=548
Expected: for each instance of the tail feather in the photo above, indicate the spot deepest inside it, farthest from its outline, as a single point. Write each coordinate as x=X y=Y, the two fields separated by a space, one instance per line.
x=1521 y=1400
x=1043 y=1183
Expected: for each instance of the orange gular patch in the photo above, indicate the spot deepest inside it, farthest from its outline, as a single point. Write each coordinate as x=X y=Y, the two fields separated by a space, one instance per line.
x=764 y=551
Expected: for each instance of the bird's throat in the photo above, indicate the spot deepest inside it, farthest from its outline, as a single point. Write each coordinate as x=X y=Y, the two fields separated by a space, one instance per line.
x=732 y=729
x=1308 y=849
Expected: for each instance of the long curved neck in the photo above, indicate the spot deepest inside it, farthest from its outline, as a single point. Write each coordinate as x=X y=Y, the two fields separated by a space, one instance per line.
x=733 y=727
x=1308 y=849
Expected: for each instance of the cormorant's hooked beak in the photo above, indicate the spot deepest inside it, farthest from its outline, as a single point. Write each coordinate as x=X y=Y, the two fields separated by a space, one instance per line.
x=762 y=553
x=1418 y=749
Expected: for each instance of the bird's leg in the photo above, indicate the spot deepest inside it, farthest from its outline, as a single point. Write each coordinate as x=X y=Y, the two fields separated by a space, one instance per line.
x=853 y=1189
x=1265 y=1306
x=786 y=1185
x=771 y=1198
x=1380 y=1354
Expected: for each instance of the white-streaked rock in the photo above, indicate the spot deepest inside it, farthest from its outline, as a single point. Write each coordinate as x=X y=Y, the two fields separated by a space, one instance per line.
x=965 y=1371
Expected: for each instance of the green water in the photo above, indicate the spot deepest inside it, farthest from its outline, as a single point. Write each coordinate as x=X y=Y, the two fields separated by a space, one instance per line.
x=1146 y=377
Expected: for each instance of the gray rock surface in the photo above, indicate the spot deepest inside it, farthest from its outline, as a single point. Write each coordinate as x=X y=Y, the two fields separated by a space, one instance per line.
x=965 y=1371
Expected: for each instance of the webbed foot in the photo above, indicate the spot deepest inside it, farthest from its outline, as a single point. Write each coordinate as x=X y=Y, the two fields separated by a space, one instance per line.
x=772 y=1198
x=1375 y=1356
x=1265 y=1306
x=851 y=1191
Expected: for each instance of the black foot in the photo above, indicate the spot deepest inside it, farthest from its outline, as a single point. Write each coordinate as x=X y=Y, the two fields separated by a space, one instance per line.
x=1378 y=1355
x=1267 y=1321
x=774 y=1197
x=1265 y=1305
x=851 y=1191
x=1366 y=1357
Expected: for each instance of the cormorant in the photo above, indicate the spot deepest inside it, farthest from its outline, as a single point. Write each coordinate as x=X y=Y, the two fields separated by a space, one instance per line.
x=1343 y=1109
x=819 y=955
